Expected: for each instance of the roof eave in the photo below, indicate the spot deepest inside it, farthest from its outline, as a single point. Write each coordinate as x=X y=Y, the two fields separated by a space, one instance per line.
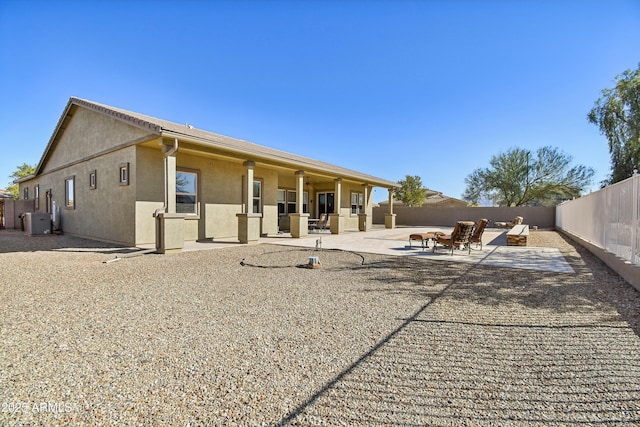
x=66 y=116
x=283 y=159
x=23 y=179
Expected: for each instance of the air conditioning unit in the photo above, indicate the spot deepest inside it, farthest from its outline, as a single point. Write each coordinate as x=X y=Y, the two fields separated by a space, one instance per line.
x=37 y=223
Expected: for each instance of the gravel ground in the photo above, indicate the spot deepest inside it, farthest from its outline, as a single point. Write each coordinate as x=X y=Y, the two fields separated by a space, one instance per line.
x=198 y=338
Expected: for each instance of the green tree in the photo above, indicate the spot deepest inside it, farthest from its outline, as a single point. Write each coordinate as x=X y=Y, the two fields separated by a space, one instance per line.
x=22 y=171
x=411 y=191
x=617 y=114
x=520 y=178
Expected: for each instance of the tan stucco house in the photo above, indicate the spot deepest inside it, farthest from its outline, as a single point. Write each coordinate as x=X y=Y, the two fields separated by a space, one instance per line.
x=127 y=178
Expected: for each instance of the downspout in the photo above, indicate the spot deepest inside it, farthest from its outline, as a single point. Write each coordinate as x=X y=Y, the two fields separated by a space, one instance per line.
x=168 y=153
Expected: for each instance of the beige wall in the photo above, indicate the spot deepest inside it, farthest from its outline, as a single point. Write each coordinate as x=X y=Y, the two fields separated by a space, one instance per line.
x=149 y=192
x=220 y=195
x=428 y=216
x=108 y=211
x=351 y=221
x=88 y=133
x=104 y=213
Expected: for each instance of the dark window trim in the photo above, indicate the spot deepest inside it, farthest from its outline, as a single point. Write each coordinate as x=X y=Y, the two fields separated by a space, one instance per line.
x=71 y=179
x=124 y=179
x=93 y=180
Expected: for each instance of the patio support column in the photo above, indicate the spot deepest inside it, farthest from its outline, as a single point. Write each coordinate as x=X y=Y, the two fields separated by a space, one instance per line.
x=363 y=223
x=170 y=188
x=169 y=224
x=299 y=221
x=390 y=218
x=337 y=219
x=248 y=221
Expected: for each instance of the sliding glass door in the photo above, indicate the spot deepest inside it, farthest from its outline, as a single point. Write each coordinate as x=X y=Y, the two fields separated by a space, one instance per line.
x=325 y=203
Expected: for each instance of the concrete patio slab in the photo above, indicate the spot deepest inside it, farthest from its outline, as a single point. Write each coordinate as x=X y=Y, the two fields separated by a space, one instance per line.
x=382 y=241
x=396 y=242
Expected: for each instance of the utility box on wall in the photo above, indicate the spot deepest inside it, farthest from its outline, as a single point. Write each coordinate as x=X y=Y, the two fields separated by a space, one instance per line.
x=37 y=223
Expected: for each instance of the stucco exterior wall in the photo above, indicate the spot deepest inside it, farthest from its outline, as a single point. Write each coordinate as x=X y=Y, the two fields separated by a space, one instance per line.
x=89 y=133
x=104 y=213
x=351 y=221
x=149 y=192
x=220 y=195
x=270 y=187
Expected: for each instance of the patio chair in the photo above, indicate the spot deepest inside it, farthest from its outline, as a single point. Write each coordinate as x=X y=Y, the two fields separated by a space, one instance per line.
x=323 y=222
x=476 y=237
x=459 y=237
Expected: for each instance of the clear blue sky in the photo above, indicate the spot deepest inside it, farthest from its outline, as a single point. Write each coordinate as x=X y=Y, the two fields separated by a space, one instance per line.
x=389 y=88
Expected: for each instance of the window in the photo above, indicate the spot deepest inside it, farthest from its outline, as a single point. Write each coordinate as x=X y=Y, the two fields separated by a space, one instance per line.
x=92 y=180
x=36 y=197
x=25 y=193
x=291 y=201
x=257 y=197
x=287 y=201
x=356 y=203
x=70 y=193
x=187 y=192
x=124 y=174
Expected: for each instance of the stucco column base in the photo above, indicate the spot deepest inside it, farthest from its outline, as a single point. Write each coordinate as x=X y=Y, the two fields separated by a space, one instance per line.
x=364 y=224
x=299 y=225
x=169 y=233
x=336 y=223
x=390 y=221
x=249 y=228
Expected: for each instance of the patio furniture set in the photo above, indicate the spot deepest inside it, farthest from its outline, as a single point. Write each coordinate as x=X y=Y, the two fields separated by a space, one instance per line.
x=464 y=234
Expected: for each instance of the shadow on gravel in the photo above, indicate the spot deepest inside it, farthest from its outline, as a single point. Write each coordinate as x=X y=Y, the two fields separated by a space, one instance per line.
x=611 y=288
x=333 y=384
x=493 y=346
x=12 y=241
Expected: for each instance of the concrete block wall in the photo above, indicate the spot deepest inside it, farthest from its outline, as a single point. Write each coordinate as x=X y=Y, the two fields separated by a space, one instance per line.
x=543 y=218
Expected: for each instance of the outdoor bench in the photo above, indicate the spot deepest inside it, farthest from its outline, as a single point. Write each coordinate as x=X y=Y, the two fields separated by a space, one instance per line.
x=517 y=236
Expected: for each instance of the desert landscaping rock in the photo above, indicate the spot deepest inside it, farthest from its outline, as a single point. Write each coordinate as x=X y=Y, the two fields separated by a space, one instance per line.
x=245 y=335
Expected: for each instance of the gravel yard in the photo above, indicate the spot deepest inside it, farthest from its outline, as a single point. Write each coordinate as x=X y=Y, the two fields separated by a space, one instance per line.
x=198 y=338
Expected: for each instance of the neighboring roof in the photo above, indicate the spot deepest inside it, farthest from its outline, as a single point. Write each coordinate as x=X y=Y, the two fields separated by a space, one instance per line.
x=441 y=199
x=433 y=198
x=4 y=194
x=164 y=128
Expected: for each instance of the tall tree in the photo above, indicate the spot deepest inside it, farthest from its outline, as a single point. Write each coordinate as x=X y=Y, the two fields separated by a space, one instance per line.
x=519 y=178
x=617 y=114
x=411 y=191
x=22 y=171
